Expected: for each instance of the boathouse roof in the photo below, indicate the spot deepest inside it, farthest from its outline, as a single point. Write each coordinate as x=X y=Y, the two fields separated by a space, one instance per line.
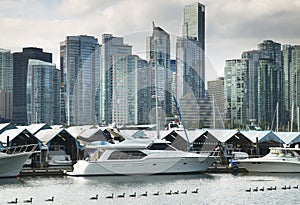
x=289 y=137
x=262 y=136
x=35 y=128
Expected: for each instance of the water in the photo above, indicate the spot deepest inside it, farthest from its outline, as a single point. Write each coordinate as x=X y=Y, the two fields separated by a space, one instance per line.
x=213 y=189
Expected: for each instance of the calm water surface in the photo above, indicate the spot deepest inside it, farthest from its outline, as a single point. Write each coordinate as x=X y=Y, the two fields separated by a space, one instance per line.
x=213 y=189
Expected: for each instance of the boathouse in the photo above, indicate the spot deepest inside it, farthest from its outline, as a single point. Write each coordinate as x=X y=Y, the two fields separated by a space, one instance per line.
x=232 y=140
x=262 y=140
x=59 y=142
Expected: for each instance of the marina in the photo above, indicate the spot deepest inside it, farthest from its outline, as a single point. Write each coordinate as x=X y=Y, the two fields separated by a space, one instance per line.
x=207 y=188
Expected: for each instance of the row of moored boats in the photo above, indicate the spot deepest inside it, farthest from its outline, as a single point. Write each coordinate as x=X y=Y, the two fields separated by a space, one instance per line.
x=151 y=156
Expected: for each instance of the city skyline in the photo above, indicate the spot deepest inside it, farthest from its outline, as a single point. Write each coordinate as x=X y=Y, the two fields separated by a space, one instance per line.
x=43 y=24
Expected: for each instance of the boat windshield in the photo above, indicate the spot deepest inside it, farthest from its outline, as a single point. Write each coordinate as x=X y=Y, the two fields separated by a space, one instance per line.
x=97 y=154
x=161 y=146
x=283 y=153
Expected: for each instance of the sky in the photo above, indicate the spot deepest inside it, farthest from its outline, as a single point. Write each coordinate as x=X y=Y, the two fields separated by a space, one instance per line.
x=232 y=26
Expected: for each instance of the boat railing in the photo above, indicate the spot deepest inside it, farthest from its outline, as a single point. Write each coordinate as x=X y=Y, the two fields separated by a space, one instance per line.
x=30 y=148
x=209 y=153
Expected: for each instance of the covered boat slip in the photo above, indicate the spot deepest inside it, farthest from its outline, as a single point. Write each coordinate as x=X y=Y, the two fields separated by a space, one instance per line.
x=72 y=140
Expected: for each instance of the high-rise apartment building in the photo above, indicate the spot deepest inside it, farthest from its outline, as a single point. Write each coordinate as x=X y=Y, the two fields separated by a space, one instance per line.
x=252 y=58
x=6 y=84
x=80 y=68
x=215 y=90
x=20 y=66
x=124 y=95
x=235 y=92
x=43 y=93
x=295 y=86
x=111 y=45
x=287 y=79
x=158 y=55
x=270 y=80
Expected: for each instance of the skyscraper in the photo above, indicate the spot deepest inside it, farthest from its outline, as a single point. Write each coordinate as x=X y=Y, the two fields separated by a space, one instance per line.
x=20 y=66
x=215 y=90
x=295 y=84
x=43 y=93
x=158 y=55
x=130 y=105
x=270 y=83
x=6 y=84
x=80 y=67
x=235 y=92
x=287 y=77
x=194 y=36
x=252 y=58
x=111 y=45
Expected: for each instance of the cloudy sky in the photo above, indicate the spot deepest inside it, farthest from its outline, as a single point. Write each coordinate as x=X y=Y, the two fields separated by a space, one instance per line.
x=232 y=26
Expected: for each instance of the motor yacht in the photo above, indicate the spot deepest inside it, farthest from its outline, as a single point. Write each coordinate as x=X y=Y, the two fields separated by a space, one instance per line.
x=13 y=159
x=278 y=160
x=139 y=157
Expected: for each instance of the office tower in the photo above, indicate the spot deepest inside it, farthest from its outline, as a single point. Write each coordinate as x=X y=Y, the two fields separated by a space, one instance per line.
x=193 y=46
x=295 y=86
x=144 y=97
x=287 y=79
x=6 y=84
x=80 y=67
x=129 y=103
x=158 y=55
x=215 y=90
x=270 y=84
x=189 y=74
x=111 y=45
x=6 y=70
x=124 y=74
x=43 y=92
x=252 y=58
x=20 y=66
x=235 y=92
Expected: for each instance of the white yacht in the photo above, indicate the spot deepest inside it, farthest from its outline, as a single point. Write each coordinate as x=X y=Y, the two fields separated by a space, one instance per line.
x=139 y=157
x=13 y=159
x=279 y=160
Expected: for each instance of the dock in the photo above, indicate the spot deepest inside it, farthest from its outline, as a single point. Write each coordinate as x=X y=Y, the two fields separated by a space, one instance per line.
x=45 y=171
x=59 y=170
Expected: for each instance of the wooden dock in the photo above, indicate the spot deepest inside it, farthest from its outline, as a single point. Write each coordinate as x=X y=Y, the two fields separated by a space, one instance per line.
x=59 y=170
x=45 y=171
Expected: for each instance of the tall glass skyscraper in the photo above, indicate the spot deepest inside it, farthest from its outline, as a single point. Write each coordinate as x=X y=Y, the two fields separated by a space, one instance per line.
x=193 y=36
x=43 y=92
x=270 y=90
x=158 y=56
x=20 y=66
x=6 y=84
x=252 y=58
x=111 y=45
x=80 y=67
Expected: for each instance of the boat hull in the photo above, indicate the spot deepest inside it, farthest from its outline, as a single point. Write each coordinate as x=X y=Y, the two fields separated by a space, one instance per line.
x=11 y=165
x=271 y=166
x=142 y=167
